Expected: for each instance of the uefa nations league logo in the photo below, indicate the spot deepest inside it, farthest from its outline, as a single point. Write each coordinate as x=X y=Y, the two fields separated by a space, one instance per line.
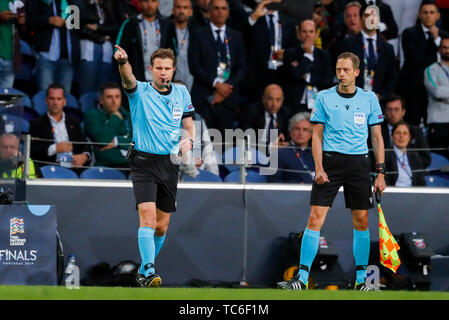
x=16 y=227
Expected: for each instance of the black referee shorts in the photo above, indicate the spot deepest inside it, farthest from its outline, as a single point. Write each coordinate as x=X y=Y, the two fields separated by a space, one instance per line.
x=350 y=171
x=155 y=179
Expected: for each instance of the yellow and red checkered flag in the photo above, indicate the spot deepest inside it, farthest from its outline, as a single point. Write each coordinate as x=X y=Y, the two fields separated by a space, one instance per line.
x=388 y=246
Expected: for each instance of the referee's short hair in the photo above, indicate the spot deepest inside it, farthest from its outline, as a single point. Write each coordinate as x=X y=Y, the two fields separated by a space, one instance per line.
x=163 y=54
x=353 y=57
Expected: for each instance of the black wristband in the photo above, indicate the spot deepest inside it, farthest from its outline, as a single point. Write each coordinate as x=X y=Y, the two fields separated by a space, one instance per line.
x=122 y=63
x=191 y=141
x=380 y=168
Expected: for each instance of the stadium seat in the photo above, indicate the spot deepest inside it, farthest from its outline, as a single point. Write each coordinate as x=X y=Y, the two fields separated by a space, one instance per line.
x=251 y=177
x=24 y=101
x=103 y=173
x=88 y=101
x=41 y=107
x=57 y=172
x=231 y=155
x=437 y=180
x=437 y=161
x=204 y=176
x=15 y=124
x=23 y=112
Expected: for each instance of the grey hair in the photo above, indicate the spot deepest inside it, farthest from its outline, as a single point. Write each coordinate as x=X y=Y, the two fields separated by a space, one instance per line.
x=296 y=118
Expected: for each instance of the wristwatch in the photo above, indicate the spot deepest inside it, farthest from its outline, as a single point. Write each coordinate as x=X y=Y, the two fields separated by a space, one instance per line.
x=123 y=62
x=191 y=141
x=380 y=168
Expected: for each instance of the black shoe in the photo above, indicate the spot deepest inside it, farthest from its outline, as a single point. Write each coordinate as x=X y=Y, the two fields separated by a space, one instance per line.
x=140 y=278
x=152 y=281
x=293 y=284
x=362 y=287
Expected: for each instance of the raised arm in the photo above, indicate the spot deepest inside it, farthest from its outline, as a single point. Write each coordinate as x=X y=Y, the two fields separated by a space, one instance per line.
x=125 y=69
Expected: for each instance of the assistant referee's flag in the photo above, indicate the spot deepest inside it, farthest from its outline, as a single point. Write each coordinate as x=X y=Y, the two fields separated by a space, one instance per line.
x=388 y=246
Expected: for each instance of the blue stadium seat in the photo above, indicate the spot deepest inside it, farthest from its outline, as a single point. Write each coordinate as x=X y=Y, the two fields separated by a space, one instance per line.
x=40 y=106
x=251 y=177
x=22 y=112
x=437 y=161
x=57 y=172
x=232 y=154
x=24 y=101
x=25 y=48
x=437 y=180
x=15 y=124
x=103 y=173
x=204 y=176
x=88 y=101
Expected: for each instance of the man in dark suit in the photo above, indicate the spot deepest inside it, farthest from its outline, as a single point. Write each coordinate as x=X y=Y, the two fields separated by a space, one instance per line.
x=140 y=36
x=394 y=113
x=267 y=114
x=217 y=63
x=61 y=131
x=308 y=68
x=420 y=44
x=387 y=24
x=378 y=68
x=269 y=34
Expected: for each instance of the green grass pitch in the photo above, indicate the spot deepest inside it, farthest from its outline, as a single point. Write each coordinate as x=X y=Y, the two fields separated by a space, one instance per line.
x=115 y=293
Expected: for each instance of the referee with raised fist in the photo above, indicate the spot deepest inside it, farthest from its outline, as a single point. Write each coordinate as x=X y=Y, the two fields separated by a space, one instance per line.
x=158 y=111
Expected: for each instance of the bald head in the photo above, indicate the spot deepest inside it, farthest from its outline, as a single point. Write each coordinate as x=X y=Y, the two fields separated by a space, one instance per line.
x=9 y=146
x=306 y=30
x=272 y=98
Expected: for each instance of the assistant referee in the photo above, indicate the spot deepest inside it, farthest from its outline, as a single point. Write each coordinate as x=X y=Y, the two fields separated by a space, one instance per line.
x=158 y=111
x=342 y=116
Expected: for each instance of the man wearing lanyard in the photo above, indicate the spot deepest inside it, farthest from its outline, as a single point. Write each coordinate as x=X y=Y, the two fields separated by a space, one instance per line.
x=309 y=69
x=295 y=164
x=378 y=67
x=436 y=80
x=342 y=117
x=269 y=34
x=217 y=62
x=158 y=111
x=179 y=38
x=142 y=35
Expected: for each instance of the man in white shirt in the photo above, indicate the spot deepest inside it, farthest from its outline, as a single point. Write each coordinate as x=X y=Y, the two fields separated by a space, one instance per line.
x=59 y=137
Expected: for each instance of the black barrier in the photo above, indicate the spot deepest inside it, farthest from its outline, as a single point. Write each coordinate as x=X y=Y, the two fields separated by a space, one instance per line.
x=98 y=222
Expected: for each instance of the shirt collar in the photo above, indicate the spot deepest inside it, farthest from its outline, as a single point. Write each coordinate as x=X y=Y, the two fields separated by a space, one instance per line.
x=366 y=36
x=275 y=16
x=424 y=28
x=214 y=28
x=267 y=115
x=53 y=120
x=399 y=154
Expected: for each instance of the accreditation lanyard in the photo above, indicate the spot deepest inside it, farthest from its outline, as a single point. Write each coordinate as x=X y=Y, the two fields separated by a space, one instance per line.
x=298 y=156
x=403 y=166
x=366 y=54
x=277 y=40
x=145 y=32
x=180 y=44
x=228 y=51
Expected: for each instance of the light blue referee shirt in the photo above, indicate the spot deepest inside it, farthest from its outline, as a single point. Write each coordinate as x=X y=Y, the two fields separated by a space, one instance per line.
x=346 y=119
x=156 y=117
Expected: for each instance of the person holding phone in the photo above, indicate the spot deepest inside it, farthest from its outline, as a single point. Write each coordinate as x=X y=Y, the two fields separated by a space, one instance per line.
x=269 y=34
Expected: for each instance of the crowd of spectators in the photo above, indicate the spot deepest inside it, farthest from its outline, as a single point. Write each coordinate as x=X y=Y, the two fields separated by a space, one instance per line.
x=248 y=64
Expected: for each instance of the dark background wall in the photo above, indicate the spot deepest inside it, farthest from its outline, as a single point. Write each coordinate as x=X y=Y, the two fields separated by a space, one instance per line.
x=206 y=237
